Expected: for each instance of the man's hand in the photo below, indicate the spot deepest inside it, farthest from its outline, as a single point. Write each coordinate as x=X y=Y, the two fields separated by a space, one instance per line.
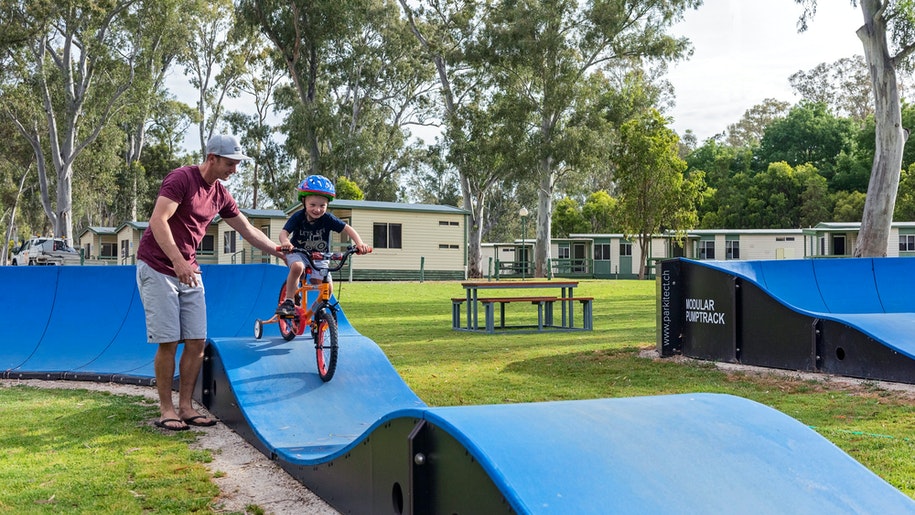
x=187 y=273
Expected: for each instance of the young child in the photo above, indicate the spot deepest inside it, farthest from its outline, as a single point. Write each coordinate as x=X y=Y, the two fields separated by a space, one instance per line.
x=310 y=229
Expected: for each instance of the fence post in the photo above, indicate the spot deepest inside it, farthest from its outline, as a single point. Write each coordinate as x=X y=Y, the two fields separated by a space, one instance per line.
x=422 y=268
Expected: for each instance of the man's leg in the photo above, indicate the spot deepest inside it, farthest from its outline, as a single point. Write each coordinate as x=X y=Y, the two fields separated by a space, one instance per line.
x=189 y=369
x=164 y=365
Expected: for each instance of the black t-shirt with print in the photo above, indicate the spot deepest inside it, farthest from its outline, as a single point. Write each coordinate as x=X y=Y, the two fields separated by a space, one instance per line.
x=313 y=236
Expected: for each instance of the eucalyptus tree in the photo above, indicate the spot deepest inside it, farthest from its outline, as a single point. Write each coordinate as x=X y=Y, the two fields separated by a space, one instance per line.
x=355 y=87
x=215 y=60
x=67 y=83
x=843 y=85
x=434 y=181
x=379 y=89
x=267 y=180
x=445 y=30
x=165 y=28
x=541 y=55
x=888 y=41
x=751 y=127
x=17 y=164
x=303 y=33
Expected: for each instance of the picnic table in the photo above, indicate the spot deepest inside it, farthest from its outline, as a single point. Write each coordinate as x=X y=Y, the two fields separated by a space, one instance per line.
x=507 y=294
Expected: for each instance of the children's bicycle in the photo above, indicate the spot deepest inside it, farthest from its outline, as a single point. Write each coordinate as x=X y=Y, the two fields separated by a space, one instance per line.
x=322 y=321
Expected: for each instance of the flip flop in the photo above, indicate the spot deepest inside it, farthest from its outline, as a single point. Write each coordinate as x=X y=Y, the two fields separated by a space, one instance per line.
x=192 y=421
x=164 y=424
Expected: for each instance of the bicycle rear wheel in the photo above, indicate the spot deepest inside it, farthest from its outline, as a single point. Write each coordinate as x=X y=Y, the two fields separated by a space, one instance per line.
x=289 y=327
x=326 y=345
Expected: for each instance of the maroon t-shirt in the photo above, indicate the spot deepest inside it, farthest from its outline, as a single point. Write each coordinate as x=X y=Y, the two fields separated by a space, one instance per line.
x=198 y=204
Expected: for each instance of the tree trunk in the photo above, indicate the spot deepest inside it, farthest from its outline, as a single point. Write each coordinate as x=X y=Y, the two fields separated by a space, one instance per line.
x=544 y=219
x=64 y=228
x=475 y=229
x=644 y=243
x=873 y=238
x=9 y=228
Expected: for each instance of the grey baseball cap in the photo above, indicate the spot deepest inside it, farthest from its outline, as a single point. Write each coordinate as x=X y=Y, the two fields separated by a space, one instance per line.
x=226 y=146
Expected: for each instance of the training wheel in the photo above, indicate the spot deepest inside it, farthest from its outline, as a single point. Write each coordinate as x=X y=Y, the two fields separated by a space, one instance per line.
x=258 y=329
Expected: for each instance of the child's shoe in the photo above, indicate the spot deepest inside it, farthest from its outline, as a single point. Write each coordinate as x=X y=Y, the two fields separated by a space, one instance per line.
x=286 y=309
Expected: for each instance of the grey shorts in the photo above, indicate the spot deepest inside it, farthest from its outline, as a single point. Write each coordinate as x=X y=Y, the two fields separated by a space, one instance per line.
x=174 y=311
x=317 y=274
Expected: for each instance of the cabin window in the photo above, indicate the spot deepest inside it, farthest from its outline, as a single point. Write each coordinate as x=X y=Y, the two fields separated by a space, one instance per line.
x=907 y=243
x=109 y=250
x=602 y=252
x=732 y=249
x=707 y=249
x=386 y=236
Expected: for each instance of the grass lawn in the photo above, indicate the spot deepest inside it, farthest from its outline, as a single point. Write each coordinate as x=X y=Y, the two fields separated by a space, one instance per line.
x=77 y=451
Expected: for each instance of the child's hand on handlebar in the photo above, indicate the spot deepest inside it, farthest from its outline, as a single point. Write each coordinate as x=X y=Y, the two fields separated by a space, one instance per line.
x=362 y=248
x=284 y=247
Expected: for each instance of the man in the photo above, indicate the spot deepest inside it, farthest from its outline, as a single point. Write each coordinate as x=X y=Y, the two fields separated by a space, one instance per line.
x=168 y=276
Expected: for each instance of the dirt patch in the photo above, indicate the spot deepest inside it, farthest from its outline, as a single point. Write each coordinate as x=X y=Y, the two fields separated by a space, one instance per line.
x=245 y=476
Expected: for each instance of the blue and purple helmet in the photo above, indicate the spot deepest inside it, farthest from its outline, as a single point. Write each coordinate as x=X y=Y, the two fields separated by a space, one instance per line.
x=317 y=185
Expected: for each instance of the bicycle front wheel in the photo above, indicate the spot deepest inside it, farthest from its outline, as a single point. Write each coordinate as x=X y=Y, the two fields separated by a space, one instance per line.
x=326 y=345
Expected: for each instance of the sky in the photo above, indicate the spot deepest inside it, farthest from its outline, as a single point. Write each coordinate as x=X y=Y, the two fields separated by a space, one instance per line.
x=745 y=50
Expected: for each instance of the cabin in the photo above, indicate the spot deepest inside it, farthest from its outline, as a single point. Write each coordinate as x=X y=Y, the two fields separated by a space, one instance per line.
x=838 y=239
x=99 y=244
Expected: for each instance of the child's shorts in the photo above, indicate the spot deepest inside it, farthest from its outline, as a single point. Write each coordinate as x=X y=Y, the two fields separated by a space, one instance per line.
x=316 y=274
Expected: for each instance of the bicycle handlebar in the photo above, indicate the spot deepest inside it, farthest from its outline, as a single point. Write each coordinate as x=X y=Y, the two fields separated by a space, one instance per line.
x=313 y=256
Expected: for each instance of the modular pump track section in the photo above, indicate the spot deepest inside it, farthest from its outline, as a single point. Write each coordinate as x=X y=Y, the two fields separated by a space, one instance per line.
x=366 y=443
x=852 y=316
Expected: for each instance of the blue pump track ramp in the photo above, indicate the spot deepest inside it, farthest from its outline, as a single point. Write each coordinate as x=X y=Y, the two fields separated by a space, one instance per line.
x=852 y=316
x=367 y=444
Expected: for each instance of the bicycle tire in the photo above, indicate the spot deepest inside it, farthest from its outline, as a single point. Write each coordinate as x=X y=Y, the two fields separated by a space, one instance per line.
x=289 y=327
x=326 y=345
